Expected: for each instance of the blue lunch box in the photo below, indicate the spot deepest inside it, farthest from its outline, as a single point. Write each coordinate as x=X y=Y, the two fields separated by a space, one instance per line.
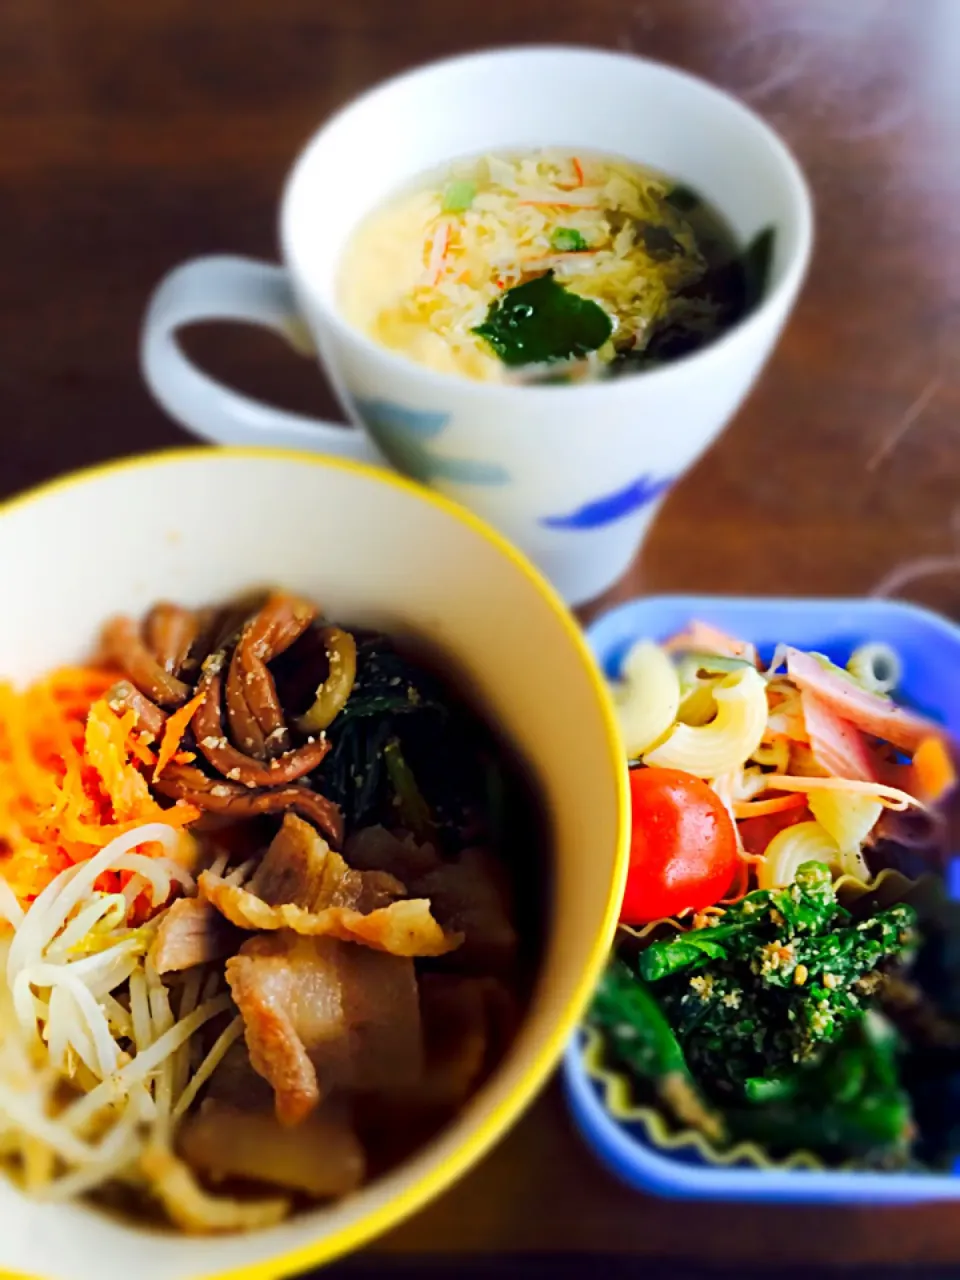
x=633 y=1148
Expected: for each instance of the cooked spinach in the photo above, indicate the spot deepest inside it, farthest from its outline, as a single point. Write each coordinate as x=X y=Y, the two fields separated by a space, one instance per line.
x=847 y=1104
x=762 y=1015
x=541 y=322
x=779 y=977
x=402 y=753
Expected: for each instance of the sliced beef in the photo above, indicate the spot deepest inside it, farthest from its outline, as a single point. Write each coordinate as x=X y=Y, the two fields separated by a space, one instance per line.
x=253 y=708
x=209 y=731
x=456 y=1038
x=233 y=800
x=321 y=1014
x=125 y=697
x=124 y=645
x=404 y=928
x=236 y=1084
x=377 y=849
x=322 y=1157
x=471 y=897
x=192 y=932
x=300 y=868
x=170 y=632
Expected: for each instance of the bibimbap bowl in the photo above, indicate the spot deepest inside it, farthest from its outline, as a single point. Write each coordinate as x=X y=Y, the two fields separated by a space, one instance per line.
x=201 y=526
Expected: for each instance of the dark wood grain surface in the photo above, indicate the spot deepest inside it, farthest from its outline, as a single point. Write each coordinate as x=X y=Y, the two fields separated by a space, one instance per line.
x=133 y=135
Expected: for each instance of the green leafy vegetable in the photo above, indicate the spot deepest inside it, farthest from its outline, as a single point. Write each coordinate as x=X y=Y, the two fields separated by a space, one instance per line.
x=567 y=240
x=643 y=1041
x=541 y=322
x=412 y=809
x=763 y=1016
x=780 y=976
x=390 y=698
x=849 y=1103
x=403 y=753
x=458 y=196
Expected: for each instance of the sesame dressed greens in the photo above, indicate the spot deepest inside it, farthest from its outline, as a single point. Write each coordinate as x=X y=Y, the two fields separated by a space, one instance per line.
x=763 y=1025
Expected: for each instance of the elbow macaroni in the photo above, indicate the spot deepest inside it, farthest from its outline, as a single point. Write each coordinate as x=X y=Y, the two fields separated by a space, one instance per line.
x=875 y=667
x=648 y=698
x=729 y=740
x=790 y=849
x=848 y=819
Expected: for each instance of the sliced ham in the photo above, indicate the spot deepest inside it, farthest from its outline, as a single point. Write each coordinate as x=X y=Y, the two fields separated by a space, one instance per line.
x=869 y=712
x=404 y=928
x=838 y=746
x=192 y=932
x=321 y=1014
x=321 y=1157
x=701 y=637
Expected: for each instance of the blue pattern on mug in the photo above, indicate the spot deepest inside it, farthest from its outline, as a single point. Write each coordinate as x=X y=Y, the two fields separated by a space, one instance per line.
x=613 y=506
x=401 y=433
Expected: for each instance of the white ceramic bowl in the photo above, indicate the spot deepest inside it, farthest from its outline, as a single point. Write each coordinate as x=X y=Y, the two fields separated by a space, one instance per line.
x=199 y=526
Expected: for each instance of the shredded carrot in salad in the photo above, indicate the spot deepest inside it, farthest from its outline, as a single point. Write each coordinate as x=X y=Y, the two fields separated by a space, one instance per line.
x=761 y=808
x=72 y=778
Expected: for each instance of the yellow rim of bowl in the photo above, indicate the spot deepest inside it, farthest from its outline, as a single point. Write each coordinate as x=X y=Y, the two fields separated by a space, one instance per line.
x=418 y=1193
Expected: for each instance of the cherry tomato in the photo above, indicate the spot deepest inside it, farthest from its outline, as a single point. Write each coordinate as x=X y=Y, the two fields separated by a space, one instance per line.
x=683 y=851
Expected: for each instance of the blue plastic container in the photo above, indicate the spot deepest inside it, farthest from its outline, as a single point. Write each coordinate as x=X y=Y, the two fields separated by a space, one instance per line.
x=929 y=647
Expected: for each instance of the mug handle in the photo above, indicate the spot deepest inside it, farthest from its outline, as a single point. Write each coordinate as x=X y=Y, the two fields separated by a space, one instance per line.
x=240 y=289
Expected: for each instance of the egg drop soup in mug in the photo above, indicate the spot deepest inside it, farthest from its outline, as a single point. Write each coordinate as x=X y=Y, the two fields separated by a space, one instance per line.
x=548 y=266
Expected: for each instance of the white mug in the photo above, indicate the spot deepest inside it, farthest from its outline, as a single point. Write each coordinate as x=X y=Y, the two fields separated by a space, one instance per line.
x=573 y=474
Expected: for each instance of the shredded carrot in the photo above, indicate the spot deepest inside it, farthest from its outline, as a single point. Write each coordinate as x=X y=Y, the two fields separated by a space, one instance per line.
x=140 y=748
x=760 y=808
x=439 y=245
x=557 y=204
x=174 y=730
x=932 y=771
x=578 y=171
x=70 y=779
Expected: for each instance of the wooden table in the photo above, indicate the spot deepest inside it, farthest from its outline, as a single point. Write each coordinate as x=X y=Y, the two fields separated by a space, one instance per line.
x=135 y=135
